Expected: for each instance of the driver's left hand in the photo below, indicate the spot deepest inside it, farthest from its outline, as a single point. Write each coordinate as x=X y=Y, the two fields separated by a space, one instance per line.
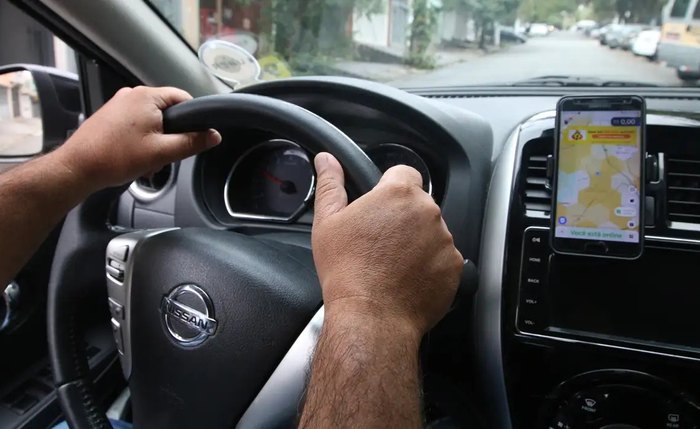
x=124 y=139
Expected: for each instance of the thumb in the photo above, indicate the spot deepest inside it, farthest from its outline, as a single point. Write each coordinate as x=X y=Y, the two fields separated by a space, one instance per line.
x=175 y=147
x=330 y=188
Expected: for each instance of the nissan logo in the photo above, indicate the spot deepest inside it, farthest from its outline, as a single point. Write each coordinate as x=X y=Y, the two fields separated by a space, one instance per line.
x=188 y=315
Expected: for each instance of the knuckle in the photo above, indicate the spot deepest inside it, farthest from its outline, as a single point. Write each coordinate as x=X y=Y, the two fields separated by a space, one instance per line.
x=428 y=207
x=399 y=188
x=123 y=91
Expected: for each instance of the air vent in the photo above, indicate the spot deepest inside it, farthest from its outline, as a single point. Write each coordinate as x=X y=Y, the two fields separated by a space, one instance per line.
x=151 y=186
x=683 y=178
x=538 y=195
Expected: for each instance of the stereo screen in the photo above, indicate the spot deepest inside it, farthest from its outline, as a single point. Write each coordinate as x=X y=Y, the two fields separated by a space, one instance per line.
x=654 y=299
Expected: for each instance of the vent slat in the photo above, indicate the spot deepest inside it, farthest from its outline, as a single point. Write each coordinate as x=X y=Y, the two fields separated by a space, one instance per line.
x=537 y=193
x=684 y=175
x=683 y=190
x=537 y=198
x=543 y=207
x=537 y=181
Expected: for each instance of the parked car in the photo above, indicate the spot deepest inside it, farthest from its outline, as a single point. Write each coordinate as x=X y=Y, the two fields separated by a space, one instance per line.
x=509 y=34
x=609 y=33
x=586 y=25
x=538 y=30
x=629 y=35
x=618 y=35
x=599 y=33
x=647 y=43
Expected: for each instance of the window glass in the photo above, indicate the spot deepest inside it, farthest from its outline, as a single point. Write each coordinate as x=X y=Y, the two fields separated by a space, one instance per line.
x=680 y=8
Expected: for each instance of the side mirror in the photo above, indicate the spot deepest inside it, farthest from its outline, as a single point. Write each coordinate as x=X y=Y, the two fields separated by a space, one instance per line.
x=39 y=108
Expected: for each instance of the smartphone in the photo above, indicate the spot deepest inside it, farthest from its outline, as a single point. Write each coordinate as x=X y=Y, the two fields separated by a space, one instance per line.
x=598 y=179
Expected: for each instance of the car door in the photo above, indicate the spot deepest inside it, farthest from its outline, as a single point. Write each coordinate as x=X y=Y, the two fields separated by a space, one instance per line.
x=41 y=103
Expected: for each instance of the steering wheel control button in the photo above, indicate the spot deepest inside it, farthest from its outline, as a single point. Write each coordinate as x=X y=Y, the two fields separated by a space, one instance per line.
x=115 y=273
x=116 y=309
x=119 y=252
x=118 y=336
x=188 y=315
x=9 y=298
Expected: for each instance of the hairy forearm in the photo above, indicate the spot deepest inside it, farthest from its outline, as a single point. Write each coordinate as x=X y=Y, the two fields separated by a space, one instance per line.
x=33 y=199
x=365 y=373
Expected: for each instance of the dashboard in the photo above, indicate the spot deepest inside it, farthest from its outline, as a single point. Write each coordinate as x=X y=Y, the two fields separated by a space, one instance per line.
x=546 y=341
x=272 y=179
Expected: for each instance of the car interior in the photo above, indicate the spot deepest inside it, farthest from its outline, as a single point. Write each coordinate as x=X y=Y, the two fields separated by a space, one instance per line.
x=535 y=339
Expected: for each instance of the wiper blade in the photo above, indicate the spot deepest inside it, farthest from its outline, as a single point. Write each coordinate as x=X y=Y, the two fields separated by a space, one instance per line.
x=578 y=81
x=627 y=83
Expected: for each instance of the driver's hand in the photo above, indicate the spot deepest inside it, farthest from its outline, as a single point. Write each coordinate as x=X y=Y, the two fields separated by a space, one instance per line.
x=124 y=139
x=388 y=255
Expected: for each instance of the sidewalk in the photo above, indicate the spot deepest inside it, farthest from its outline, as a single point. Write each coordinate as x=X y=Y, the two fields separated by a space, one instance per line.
x=384 y=72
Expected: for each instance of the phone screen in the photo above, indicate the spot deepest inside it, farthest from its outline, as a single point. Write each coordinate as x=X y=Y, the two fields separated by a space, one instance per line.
x=599 y=176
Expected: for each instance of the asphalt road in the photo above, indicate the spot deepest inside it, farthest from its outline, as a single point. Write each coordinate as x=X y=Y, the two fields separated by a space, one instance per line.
x=561 y=53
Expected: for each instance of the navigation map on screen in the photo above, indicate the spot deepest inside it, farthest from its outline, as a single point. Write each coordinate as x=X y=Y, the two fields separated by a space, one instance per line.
x=598 y=180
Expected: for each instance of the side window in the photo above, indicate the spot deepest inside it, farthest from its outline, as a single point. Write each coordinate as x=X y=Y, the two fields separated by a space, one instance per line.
x=696 y=12
x=680 y=8
x=25 y=41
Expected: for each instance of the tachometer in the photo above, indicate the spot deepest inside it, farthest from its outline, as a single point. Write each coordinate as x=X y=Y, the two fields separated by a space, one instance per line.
x=388 y=155
x=272 y=181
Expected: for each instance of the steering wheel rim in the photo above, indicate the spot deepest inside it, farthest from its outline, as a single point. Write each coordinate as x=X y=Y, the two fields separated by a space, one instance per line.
x=83 y=238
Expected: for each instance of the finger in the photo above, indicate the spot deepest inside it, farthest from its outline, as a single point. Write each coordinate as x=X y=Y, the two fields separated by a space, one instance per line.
x=330 y=187
x=167 y=96
x=174 y=147
x=402 y=174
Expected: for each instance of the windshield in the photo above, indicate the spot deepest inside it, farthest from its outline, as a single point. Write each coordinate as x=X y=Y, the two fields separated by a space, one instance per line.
x=430 y=43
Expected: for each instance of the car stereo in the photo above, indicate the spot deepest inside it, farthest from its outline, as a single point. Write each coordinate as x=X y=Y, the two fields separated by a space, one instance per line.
x=648 y=304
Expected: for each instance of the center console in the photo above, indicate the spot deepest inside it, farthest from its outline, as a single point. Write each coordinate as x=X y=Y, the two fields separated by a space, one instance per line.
x=649 y=304
x=603 y=343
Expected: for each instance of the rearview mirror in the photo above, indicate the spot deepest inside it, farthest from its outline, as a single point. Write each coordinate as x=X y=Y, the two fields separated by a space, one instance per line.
x=39 y=108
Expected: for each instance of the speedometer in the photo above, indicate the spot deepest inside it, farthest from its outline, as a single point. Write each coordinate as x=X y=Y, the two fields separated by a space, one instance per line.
x=272 y=181
x=388 y=155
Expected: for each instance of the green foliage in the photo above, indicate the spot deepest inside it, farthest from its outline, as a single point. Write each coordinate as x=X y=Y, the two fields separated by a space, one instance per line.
x=643 y=11
x=303 y=28
x=422 y=30
x=485 y=10
x=550 y=11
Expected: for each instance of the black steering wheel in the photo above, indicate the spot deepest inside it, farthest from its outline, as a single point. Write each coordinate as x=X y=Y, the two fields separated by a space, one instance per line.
x=214 y=328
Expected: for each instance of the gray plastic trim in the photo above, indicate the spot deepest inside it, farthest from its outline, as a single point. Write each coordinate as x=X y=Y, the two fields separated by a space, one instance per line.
x=120 y=292
x=132 y=33
x=488 y=297
x=278 y=403
x=146 y=195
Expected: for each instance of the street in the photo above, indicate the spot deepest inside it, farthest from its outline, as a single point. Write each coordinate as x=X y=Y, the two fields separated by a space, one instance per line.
x=561 y=53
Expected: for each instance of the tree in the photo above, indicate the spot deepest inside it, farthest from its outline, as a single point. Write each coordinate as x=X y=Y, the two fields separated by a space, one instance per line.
x=550 y=12
x=301 y=28
x=485 y=13
x=422 y=29
x=631 y=11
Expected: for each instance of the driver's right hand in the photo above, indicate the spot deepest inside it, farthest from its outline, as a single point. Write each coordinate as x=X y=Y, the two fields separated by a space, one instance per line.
x=388 y=256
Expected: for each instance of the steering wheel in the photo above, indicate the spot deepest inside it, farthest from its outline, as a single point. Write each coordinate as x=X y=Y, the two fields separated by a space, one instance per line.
x=214 y=328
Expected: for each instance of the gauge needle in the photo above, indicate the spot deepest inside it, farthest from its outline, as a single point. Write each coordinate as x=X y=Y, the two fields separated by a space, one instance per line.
x=286 y=186
x=272 y=178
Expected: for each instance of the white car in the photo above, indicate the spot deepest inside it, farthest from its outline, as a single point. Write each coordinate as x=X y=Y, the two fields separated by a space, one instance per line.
x=538 y=29
x=647 y=43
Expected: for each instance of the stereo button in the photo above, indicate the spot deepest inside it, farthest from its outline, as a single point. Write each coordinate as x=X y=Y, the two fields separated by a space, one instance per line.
x=535 y=242
x=529 y=319
x=533 y=280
